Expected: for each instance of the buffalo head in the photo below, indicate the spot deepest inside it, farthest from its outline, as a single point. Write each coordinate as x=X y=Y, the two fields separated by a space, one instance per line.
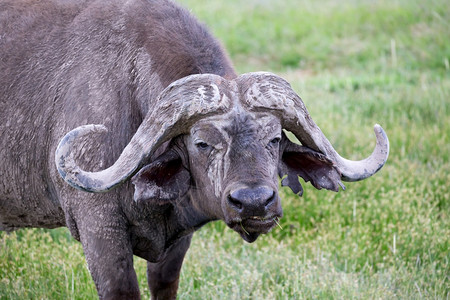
x=226 y=149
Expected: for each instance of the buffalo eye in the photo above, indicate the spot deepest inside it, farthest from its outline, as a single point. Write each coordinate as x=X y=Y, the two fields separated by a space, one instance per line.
x=275 y=141
x=202 y=145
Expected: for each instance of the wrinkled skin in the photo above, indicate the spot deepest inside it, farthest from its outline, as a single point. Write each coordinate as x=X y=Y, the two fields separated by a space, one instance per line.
x=237 y=152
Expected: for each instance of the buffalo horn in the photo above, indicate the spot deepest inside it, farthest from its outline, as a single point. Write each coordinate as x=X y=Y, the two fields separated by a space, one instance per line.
x=180 y=105
x=263 y=91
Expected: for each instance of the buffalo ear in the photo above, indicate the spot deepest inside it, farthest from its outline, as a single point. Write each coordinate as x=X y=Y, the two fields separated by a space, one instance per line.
x=163 y=180
x=297 y=160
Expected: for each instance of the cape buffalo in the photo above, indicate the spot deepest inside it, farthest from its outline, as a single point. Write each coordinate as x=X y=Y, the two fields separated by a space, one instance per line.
x=188 y=141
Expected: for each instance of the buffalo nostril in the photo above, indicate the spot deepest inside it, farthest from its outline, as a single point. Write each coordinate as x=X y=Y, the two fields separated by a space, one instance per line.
x=270 y=200
x=234 y=202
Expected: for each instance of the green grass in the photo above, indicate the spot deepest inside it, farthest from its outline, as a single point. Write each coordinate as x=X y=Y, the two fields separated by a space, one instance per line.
x=355 y=63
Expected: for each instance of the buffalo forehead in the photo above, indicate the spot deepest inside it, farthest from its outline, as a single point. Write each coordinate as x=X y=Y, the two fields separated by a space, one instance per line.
x=238 y=125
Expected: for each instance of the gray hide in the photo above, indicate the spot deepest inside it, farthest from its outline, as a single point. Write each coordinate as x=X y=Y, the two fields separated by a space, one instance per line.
x=181 y=139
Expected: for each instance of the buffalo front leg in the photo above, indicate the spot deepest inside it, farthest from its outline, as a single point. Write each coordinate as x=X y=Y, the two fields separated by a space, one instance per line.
x=108 y=251
x=163 y=276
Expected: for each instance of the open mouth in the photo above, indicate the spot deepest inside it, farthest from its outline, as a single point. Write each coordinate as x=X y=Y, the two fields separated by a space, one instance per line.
x=251 y=228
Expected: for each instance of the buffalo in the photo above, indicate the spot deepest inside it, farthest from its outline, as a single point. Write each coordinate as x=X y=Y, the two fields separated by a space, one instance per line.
x=126 y=122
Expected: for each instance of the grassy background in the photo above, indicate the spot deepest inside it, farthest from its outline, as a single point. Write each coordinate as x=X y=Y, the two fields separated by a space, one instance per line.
x=355 y=63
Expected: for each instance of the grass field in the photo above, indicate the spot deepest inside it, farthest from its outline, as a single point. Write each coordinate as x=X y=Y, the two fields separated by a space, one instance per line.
x=355 y=63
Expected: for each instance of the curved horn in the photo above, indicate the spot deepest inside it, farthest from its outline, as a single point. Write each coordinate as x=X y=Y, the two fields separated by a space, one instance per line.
x=178 y=106
x=267 y=92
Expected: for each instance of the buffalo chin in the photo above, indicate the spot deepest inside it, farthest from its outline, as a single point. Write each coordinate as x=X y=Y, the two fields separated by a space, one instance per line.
x=249 y=237
x=250 y=230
